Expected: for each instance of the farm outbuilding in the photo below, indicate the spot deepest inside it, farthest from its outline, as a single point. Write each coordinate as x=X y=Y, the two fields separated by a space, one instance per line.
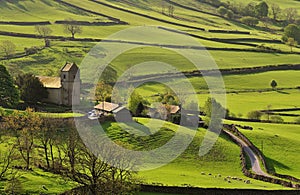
x=121 y=113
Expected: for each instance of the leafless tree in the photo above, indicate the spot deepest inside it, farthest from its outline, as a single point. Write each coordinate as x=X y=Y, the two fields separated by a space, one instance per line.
x=276 y=10
x=292 y=43
x=6 y=159
x=24 y=127
x=291 y=15
x=44 y=31
x=171 y=10
x=71 y=27
x=8 y=48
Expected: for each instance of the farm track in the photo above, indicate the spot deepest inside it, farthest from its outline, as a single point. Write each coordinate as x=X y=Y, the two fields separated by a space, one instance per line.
x=251 y=154
x=257 y=156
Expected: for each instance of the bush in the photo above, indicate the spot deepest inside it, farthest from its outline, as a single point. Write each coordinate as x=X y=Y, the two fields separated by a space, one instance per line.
x=291 y=31
x=250 y=21
x=229 y=14
x=13 y=186
x=222 y=10
x=276 y=119
x=31 y=50
x=255 y=115
x=297 y=120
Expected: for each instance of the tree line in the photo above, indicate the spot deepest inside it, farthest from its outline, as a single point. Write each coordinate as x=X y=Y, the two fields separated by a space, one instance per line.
x=25 y=87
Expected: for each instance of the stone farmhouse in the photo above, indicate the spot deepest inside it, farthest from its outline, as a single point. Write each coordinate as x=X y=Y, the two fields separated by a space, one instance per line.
x=64 y=90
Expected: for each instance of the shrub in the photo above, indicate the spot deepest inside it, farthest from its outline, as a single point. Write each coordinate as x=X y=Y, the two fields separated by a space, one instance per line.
x=276 y=119
x=250 y=21
x=255 y=115
x=13 y=186
x=291 y=31
x=297 y=120
x=229 y=14
x=31 y=50
x=222 y=10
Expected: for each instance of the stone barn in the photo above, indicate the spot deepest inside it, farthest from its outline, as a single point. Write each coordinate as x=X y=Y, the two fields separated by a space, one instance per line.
x=65 y=89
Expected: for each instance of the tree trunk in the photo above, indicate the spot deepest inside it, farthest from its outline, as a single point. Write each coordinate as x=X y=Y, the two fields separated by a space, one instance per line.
x=46 y=156
x=27 y=159
x=52 y=156
x=47 y=43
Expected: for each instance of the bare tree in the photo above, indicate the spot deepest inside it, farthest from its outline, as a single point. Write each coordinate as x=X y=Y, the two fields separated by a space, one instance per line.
x=24 y=127
x=290 y=15
x=13 y=185
x=46 y=137
x=171 y=10
x=292 y=43
x=71 y=27
x=44 y=31
x=6 y=159
x=276 y=10
x=163 y=5
x=8 y=48
x=100 y=167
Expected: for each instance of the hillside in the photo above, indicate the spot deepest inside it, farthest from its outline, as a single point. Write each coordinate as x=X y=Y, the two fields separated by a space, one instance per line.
x=248 y=56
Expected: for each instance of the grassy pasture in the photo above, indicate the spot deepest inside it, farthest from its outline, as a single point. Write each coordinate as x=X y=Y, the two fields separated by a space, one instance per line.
x=282 y=4
x=48 y=62
x=224 y=59
x=46 y=10
x=154 y=8
x=33 y=181
x=249 y=100
x=58 y=30
x=279 y=143
x=186 y=169
x=21 y=43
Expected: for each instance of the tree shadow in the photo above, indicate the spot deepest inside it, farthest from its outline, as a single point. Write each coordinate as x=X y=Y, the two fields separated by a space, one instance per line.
x=136 y=129
x=274 y=163
x=282 y=92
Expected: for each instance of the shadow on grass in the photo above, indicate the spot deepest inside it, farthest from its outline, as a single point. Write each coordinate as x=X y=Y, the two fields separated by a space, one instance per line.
x=282 y=92
x=274 y=163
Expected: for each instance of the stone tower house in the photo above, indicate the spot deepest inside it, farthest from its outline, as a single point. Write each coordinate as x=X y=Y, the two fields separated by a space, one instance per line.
x=70 y=84
x=64 y=90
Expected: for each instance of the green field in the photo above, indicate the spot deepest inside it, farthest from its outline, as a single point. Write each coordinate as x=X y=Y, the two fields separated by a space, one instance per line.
x=245 y=92
x=279 y=143
x=36 y=11
x=186 y=169
x=33 y=181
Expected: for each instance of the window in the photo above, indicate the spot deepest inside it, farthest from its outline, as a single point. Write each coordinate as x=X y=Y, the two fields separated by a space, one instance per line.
x=64 y=76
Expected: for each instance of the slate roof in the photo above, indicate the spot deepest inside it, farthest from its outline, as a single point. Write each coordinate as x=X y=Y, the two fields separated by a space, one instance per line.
x=174 y=109
x=50 y=82
x=106 y=106
x=68 y=67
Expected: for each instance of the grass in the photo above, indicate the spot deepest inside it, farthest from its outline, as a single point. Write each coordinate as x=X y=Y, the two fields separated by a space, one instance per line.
x=21 y=43
x=279 y=143
x=49 y=61
x=51 y=115
x=282 y=4
x=186 y=169
x=33 y=181
x=45 y=10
